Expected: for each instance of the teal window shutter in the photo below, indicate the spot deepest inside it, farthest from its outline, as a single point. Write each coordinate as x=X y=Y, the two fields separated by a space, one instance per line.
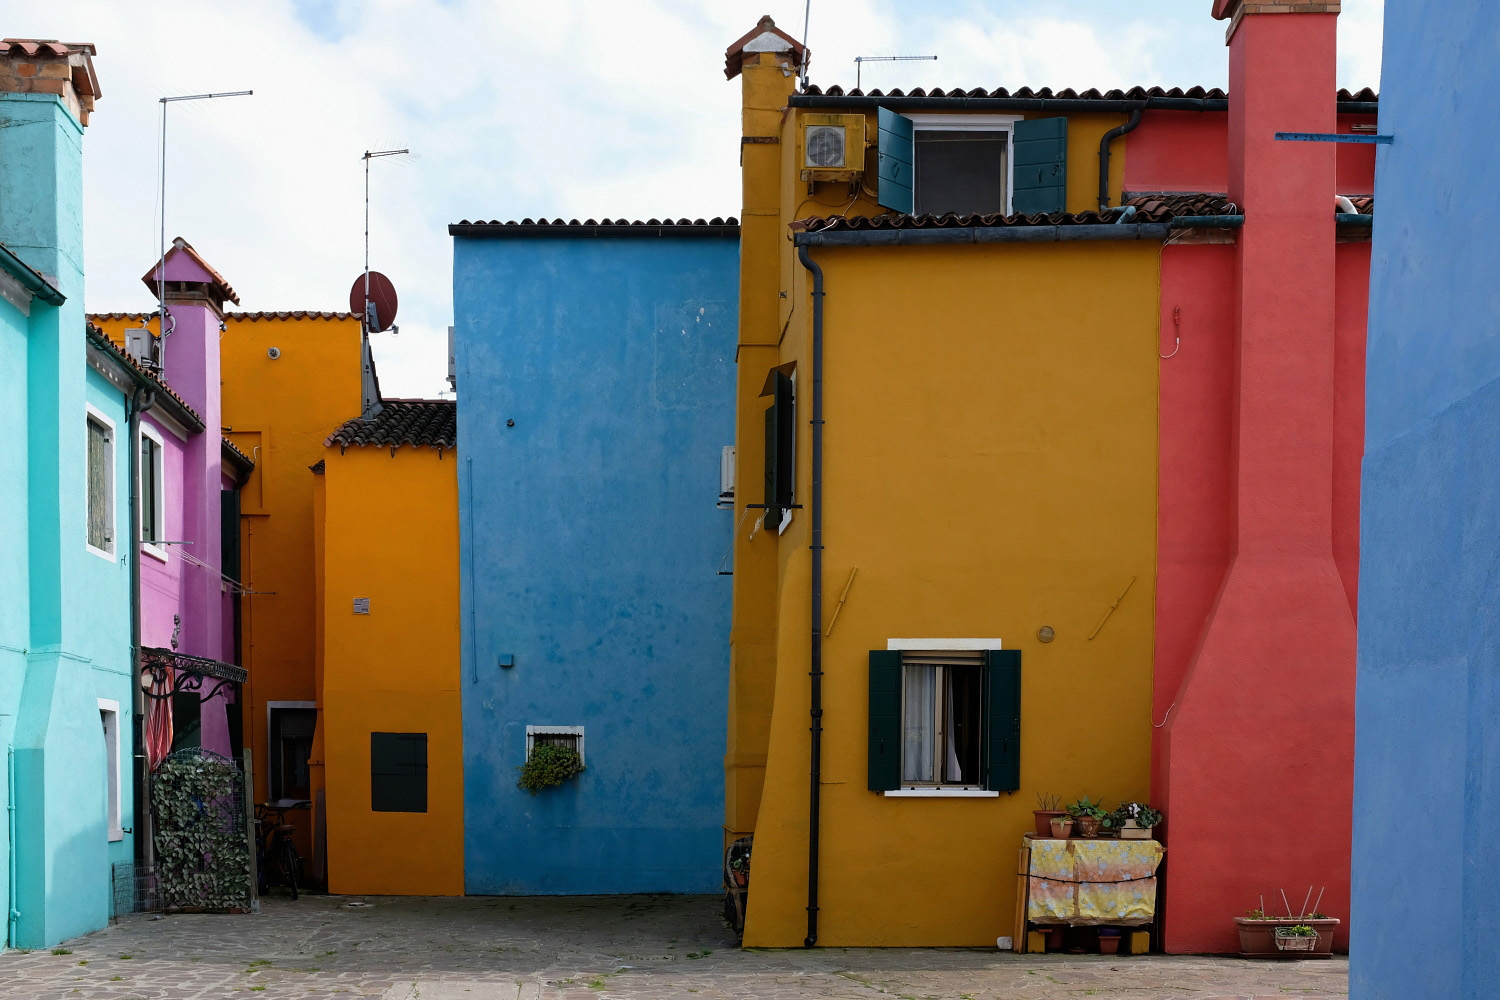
x=1040 y=169
x=885 y=720
x=897 y=157
x=1003 y=696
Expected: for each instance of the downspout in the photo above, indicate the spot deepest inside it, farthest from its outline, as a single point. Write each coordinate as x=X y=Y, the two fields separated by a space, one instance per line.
x=1104 y=141
x=12 y=915
x=141 y=399
x=816 y=672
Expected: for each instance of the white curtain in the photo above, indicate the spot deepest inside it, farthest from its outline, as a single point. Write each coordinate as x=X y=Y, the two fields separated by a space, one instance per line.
x=951 y=770
x=917 y=737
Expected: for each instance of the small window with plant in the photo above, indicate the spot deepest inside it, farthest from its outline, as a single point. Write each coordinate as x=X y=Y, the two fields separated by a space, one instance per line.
x=554 y=756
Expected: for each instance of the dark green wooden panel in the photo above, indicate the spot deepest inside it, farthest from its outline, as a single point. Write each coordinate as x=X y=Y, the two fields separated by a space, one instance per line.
x=897 y=159
x=398 y=772
x=1040 y=166
x=885 y=720
x=1003 y=720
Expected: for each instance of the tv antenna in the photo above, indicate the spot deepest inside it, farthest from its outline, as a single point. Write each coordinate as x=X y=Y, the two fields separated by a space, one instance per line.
x=161 y=265
x=859 y=62
x=370 y=320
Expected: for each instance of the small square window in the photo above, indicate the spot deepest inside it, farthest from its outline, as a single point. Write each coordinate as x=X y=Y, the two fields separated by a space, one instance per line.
x=556 y=736
x=398 y=772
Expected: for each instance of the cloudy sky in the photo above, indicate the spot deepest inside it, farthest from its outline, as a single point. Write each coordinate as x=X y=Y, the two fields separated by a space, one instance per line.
x=570 y=108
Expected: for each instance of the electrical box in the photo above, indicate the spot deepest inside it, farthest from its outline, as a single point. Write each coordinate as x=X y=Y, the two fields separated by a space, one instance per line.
x=833 y=147
x=139 y=345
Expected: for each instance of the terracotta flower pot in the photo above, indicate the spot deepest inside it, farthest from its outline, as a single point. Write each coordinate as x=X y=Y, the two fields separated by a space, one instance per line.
x=1088 y=826
x=1060 y=829
x=1055 y=937
x=1109 y=941
x=1044 y=818
x=1257 y=938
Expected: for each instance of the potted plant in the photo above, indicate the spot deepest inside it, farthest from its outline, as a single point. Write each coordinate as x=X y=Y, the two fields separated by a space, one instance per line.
x=1135 y=820
x=1258 y=938
x=548 y=766
x=1049 y=807
x=1062 y=826
x=1087 y=815
x=1297 y=937
x=1109 y=940
x=740 y=866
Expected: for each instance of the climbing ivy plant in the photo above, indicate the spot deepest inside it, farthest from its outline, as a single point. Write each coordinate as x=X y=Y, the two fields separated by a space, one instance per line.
x=202 y=849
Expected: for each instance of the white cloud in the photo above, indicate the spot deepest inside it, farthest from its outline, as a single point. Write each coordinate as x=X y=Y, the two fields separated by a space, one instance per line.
x=572 y=108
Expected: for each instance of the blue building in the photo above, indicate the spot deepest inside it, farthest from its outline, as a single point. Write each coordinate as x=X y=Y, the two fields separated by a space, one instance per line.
x=1427 y=753
x=595 y=373
x=65 y=660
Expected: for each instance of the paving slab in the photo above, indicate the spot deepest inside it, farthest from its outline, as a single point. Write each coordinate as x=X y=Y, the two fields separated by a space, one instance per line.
x=583 y=948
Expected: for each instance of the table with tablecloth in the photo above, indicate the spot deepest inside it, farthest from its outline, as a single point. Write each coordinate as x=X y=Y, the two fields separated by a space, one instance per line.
x=1084 y=882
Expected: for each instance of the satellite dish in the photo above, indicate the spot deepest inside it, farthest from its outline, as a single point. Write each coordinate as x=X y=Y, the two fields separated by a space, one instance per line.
x=382 y=301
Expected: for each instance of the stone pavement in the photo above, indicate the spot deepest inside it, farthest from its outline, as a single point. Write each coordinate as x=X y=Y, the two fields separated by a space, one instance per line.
x=581 y=948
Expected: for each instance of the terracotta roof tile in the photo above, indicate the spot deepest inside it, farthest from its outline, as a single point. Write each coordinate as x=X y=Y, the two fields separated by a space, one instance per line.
x=602 y=228
x=1343 y=96
x=431 y=423
x=45 y=46
x=245 y=461
x=180 y=245
x=734 y=55
x=117 y=353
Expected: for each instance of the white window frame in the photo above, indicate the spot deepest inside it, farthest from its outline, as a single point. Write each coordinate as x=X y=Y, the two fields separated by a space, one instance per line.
x=94 y=414
x=159 y=492
x=943 y=645
x=109 y=718
x=271 y=708
x=532 y=732
x=969 y=123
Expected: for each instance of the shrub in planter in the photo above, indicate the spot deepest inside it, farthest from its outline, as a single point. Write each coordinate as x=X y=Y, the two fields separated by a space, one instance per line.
x=1134 y=820
x=1257 y=931
x=549 y=766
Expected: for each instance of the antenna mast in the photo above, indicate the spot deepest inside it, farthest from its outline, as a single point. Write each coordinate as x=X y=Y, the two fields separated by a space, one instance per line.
x=366 y=321
x=859 y=62
x=162 y=329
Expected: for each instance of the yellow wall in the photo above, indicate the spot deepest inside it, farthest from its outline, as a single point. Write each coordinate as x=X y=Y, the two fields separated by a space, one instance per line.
x=990 y=468
x=390 y=533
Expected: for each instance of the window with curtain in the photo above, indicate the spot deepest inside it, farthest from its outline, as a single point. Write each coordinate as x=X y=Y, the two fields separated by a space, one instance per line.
x=101 y=487
x=151 y=489
x=942 y=718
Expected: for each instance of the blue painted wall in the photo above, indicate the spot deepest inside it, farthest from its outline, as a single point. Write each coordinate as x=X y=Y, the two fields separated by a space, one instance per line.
x=1427 y=755
x=64 y=611
x=590 y=551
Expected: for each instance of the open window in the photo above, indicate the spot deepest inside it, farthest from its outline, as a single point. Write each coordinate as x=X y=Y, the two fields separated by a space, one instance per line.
x=939 y=164
x=945 y=720
x=781 y=443
x=290 y=727
x=152 y=493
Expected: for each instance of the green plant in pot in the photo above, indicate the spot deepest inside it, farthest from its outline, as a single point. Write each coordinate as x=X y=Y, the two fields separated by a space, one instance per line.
x=1134 y=820
x=1088 y=816
x=549 y=766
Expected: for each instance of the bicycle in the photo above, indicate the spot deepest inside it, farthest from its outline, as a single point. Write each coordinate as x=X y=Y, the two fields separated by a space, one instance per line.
x=273 y=844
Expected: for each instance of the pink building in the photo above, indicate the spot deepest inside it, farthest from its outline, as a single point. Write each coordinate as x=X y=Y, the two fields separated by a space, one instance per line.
x=189 y=520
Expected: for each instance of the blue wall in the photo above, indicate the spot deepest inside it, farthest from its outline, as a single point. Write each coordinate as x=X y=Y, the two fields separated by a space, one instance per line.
x=1427 y=762
x=64 y=611
x=590 y=551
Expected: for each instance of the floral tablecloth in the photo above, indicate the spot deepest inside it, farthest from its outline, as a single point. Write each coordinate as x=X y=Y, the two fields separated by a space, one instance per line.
x=1093 y=881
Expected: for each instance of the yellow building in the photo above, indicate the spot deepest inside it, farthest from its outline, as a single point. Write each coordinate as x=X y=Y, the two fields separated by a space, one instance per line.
x=288 y=377
x=985 y=490
x=391 y=732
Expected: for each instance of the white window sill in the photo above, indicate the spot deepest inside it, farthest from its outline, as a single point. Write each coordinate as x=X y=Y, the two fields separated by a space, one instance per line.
x=116 y=834
x=940 y=793
x=101 y=553
x=154 y=551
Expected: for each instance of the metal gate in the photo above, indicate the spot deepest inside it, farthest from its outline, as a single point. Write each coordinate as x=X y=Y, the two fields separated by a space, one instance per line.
x=201 y=837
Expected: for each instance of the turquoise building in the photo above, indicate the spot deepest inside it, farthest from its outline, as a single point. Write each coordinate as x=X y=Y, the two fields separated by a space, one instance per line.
x=65 y=660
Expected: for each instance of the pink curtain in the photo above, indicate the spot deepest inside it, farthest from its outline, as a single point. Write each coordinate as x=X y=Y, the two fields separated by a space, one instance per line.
x=159 y=716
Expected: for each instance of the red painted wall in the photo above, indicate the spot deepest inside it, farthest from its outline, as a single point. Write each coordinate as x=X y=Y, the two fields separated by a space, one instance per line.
x=1261 y=425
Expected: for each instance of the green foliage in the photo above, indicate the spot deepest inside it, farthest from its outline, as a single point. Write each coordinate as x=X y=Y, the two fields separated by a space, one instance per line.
x=1300 y=930
x=1144 y=815
x=203 y=857
x=1087 y=807
x=549 y=766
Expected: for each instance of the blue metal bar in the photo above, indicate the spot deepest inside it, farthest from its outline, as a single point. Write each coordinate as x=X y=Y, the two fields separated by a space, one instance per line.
x=1368 y=140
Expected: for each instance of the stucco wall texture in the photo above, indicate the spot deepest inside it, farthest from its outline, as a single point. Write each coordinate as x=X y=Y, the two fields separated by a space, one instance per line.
x=1427 y=746
x=590 y=551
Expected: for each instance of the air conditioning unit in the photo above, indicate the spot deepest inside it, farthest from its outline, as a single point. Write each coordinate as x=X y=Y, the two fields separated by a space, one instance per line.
x=140 y=345
x=833 y=147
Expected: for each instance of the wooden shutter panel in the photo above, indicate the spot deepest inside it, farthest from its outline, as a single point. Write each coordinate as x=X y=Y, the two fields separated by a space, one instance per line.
x=229 y=533
x=897 y=157
x=1003 y=720
x=1040 y=148
x=885 y=720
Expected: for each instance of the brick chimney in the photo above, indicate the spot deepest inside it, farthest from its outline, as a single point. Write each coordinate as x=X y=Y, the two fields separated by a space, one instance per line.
x=1259 y=749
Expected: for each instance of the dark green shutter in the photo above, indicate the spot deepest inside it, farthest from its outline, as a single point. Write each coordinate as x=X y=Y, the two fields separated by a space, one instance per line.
x=1003 y=720
x=398 y=772
x=229 y=533
x=1040 y=148
x=781 y=429
x=885 y=720
x=897 y=156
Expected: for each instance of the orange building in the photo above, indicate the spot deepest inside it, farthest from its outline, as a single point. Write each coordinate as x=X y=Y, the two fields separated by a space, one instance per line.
x=391 y=732
x=288 y=379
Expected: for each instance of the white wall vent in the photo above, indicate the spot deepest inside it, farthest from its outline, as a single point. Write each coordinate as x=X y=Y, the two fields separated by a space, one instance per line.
x=361 y=605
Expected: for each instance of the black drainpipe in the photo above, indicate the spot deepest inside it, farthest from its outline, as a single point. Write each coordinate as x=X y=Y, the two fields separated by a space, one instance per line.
x=141 y=399
x=1109 y=137
x=816 y=673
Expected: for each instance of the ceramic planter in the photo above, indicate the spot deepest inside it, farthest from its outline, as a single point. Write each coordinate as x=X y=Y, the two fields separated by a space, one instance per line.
x=1044 y=818
x=1257 y=937
x=1088 y=826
